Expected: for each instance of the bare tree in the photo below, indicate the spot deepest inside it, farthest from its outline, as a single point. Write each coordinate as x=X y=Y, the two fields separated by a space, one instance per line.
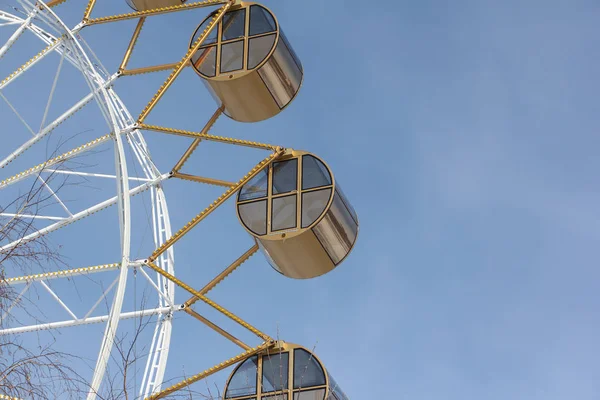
x=37 y=372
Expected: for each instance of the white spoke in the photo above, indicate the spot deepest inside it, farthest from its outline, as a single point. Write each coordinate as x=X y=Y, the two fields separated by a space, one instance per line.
x=54 y=195
x=17 y=113
x=160 y=292
x=91 y=320
x=102 y=297
x=30 y=216
x=58 y=299
x=91 y=174
x=49 y=102
x=62 y=158
x=49 y=128
x=82 y=214
x=17 y=34
x=14 y=303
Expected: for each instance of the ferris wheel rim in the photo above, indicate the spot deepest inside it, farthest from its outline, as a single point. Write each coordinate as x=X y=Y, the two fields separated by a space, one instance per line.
x=110 y=98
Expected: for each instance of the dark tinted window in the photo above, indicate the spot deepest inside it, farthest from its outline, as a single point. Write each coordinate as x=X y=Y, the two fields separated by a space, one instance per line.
x=317 y=394
x=313 y=205
x=212 y=37
x=254 y=216
x=205 y=60
x=307 y=371
x=314 y=173
x=234 y=25
x=261 y=21
x=256 y=187
x=275 y=372
x=232 y=56
x=284 y=213
x=285 y=176
x=243 y=382
x=259 y=48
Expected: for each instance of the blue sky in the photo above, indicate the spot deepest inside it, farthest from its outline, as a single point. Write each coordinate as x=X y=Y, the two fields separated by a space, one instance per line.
x=465 y=135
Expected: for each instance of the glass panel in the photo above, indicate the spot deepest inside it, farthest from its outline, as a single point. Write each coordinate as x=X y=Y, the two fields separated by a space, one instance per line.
x=284 y=213
x=254 y=216
x=307 y=371
x=275 y=397
x=339 y=191
x=243 y=381
x=212 y=37
x=256 y=187
x=232 y=56
x=285 y=176
x=282 y=75
x=313 y=205
x=318 y=394
x=314 y=173
x=337 y=391
x=291 y=49
x=205 y=61
x=261 y=21
x=275 y=372
x=259 y=48
x=234 y=24
x=337 y=230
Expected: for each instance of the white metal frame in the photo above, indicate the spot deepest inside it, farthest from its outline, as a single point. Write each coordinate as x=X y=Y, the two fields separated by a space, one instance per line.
x=123 y=130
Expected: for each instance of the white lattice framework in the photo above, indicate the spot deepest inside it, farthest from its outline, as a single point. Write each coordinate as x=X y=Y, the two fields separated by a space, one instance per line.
x=123 y=132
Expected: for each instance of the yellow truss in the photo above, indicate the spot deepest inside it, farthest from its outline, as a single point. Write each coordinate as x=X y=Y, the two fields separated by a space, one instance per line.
x=233 y=187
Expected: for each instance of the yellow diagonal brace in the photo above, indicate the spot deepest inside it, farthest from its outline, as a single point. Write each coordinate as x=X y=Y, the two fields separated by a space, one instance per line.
x=53 y=3
x=88 y=10
x=210 y=138
x=132 y=42
x=230 y=192
x=48 y=48
x=63 y=273
x=196 y=141
x=55 y=160
x=155 y=11
x=217 y=328
x=148 y=70
x=182 y=64
x=219 y=278
x=210 y=371
x=201 y=179
x=208 y=301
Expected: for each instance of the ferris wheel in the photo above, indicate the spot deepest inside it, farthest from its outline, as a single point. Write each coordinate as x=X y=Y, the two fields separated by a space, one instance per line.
x=68 y=180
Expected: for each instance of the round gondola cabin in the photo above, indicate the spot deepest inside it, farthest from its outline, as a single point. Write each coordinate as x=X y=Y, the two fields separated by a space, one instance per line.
x=247 y=63
x=290 y=372
x=299 y=216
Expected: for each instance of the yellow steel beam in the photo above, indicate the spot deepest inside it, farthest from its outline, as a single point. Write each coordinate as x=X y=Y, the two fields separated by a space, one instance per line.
x=132 y=42
x=55 y=160
x=53 y=3
x=182 y=64
x=210 y=138
x=154 y=11
x=196 y=141
x=201 y=179
x=198 y=218
x=210 y=371
x=60 y=274
x=219 y=278
x=208 y=301
x=147 y=70
x=216 y=328
x=88 y=10
x=45 y=50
